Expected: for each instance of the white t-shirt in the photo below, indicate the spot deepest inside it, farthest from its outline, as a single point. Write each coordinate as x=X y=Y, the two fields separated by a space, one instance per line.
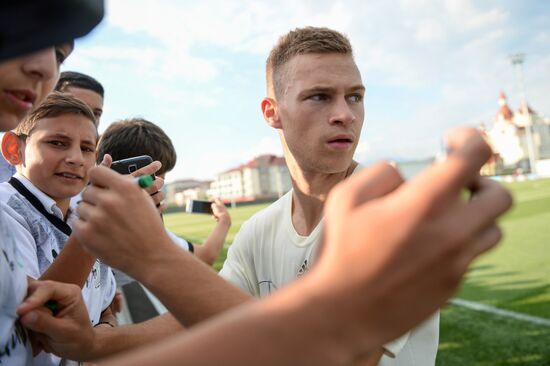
x=268 y=253
x=15 y=348
x=39 y=241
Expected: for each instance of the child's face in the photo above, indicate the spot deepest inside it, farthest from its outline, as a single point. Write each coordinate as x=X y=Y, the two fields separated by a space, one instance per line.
x=58 y=154
x=25 y=81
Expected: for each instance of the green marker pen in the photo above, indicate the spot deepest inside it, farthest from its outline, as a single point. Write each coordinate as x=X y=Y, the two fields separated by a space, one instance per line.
x=53 y=306
x=144 y=181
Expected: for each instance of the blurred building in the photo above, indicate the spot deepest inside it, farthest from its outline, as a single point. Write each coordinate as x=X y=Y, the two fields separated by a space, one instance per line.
x=178 y=192
x=262 y=178
x=508 y=138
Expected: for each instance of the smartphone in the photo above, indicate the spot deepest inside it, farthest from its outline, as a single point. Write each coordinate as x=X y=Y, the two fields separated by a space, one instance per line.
x=130 y=165
x=196 y=206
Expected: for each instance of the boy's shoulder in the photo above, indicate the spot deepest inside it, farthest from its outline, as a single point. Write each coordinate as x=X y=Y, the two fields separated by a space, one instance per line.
x=6 y=191
x=8 y=196
x=20 y=201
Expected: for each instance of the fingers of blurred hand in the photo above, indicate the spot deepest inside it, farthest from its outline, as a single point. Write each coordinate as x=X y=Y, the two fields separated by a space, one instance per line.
x=42 y=291
x=103 y=177
x=154 y=189
x=218 y=208
x=458 y=137
x=38 y=320
x=107 y=161
x=485 y=240
x=489 y=202
x=148 y=169
x=116 y=305
x=84 y=211
x=158 y=183
x=370 y=183
x=161 y=207
x=444 y=180
x=465 y=253
x=90 y=194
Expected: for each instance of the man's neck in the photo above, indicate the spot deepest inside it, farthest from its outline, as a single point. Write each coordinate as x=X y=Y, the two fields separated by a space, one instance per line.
x=310 y=192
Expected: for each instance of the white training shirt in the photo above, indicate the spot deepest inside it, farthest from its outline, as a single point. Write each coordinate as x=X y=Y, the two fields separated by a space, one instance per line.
x=15 y=348
x=39 y=242
x=267 y=254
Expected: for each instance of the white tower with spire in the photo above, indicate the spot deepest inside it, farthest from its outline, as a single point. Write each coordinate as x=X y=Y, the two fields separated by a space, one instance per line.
x=505 y=136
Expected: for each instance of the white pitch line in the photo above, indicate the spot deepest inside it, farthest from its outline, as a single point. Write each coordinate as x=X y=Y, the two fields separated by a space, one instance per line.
x=506 y=313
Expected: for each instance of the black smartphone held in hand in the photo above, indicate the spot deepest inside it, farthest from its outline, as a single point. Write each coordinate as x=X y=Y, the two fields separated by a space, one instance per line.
x=196 y=206
x=130 y=165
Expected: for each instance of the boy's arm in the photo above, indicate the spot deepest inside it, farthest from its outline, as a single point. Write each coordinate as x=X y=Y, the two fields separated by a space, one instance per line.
x=209 y=251
x=72 y=265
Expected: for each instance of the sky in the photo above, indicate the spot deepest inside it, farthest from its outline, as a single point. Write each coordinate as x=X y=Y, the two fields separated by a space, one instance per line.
x=197 y=69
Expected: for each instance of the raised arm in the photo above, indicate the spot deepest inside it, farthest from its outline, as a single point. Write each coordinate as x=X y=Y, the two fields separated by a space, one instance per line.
x=209 y=251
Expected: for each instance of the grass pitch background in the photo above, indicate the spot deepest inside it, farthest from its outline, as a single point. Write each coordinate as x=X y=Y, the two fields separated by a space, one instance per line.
x=515 y=276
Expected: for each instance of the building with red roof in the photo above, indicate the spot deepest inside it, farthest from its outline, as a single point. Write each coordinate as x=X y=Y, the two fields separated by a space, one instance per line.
x=265 y=177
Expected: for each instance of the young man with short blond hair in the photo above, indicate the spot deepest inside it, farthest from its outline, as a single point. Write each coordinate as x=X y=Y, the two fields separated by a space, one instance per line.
x=315 y=102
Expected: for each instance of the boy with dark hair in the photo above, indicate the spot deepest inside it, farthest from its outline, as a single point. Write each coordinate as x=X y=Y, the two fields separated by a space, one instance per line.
x=85 y=88
x=137 y=136
x=53 y=149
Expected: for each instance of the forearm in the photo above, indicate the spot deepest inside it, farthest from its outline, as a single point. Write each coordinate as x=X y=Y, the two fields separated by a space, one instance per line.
x=205 y=293
x=72 y=265
x=110 y=341
x=285 y=329
x=210 y=249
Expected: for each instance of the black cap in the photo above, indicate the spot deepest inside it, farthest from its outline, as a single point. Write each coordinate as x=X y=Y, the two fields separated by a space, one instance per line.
x=31 y=25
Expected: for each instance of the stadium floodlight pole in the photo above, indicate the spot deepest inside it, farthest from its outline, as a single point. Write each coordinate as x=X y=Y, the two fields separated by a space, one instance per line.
x=517 y=62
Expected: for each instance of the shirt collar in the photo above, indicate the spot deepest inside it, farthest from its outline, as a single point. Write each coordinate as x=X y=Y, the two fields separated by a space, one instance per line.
x=48 y=203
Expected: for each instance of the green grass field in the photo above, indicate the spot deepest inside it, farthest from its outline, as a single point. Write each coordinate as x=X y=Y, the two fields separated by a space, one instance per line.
x=515 y=276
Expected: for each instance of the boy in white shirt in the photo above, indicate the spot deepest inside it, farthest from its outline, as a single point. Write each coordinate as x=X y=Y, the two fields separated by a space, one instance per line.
x=53 y=149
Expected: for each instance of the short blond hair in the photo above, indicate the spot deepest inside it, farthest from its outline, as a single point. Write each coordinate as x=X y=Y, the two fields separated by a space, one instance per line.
x=56 y=104
x=301 y=41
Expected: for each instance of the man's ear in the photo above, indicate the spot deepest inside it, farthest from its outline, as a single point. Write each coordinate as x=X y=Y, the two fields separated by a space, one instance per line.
x=11 y=148
x=271 y=113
